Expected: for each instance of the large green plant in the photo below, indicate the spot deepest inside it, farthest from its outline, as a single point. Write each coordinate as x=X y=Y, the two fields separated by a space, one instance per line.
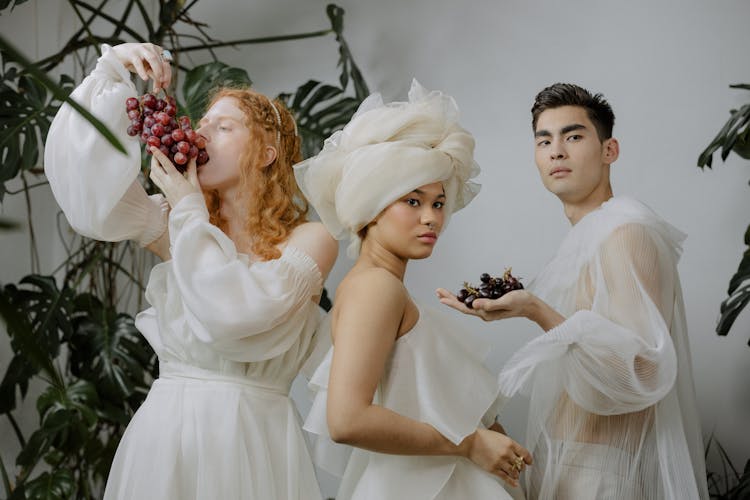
x=71 y=328
x=733 y=136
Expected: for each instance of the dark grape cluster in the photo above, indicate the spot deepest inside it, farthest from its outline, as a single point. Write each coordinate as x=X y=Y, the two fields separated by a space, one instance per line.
x=154 y=121
x=491 y=288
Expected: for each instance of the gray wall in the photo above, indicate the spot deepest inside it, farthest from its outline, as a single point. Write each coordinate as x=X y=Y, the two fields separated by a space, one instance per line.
x=665 y=66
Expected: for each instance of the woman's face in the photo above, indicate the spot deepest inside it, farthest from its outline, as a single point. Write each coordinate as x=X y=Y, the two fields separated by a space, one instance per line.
x=410 y=226
x=227 y=139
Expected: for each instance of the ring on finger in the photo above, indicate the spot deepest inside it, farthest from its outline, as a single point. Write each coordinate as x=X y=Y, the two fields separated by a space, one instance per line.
x=517 y=464
x=166 y=55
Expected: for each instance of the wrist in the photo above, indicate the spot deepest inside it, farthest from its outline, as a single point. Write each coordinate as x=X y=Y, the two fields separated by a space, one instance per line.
x=542 y=314
x=467 y=445
x=533 y=308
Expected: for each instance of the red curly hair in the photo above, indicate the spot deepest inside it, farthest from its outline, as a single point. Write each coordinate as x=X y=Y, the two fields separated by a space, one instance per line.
x=276 y=204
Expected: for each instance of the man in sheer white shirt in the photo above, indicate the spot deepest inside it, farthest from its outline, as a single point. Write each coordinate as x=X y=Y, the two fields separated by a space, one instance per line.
x=612 y=411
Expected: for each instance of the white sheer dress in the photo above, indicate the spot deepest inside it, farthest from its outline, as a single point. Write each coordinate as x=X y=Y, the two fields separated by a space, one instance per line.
x=612 y=411
x=230 y=334
x=435 y=374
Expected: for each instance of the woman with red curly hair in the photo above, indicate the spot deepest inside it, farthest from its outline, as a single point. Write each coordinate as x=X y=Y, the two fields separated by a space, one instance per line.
x=234 y=302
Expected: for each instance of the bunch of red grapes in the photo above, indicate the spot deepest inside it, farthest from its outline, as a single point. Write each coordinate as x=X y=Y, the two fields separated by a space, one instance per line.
x=491 y=288
x=154 y=120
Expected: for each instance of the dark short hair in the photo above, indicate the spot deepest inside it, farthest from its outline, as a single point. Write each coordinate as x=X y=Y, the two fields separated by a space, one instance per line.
x=568 y=94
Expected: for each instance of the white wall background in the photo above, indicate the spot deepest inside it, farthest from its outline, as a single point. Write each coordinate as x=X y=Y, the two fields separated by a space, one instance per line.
x=665 y=67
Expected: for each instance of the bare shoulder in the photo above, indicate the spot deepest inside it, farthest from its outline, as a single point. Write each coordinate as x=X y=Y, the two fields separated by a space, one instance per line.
x=315 y=240
x=370 y=304
x=372 y=292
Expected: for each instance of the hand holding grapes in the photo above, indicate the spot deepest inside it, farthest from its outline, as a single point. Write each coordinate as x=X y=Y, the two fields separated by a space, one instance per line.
x=146 y=60
x=510 y=305
x=500 y=298
x=172 y=183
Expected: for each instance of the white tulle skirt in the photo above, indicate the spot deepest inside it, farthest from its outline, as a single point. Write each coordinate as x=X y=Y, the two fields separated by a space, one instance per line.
x=200 y=438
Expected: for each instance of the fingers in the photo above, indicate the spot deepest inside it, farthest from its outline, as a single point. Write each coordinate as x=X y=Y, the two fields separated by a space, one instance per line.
x=450 y=300
x=505 y=477
x=523 y=453
x=148 y=63
x=157 y=173
x=506 y=471
x=490 y=305
x=139 y=68
x=153 y=57
x=163 y=161
x=192 y=173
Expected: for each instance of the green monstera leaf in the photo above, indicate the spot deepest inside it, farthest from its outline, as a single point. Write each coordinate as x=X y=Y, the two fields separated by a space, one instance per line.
x=738 y=292
x=733 y=136
x=107 y=350
x=37 y=315
x=26 y=112
x=202 y=80
x=59 y=484
x=319 y=110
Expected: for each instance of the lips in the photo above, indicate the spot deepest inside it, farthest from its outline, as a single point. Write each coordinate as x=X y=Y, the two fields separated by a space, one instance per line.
x=429 y=237
x=559 y=170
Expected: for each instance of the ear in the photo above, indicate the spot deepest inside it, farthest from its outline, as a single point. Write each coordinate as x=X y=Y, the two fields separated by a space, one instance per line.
x=269 y=155
x=611 y=151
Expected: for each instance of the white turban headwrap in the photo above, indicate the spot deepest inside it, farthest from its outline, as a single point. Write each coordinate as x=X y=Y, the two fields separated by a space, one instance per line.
x=385 y=152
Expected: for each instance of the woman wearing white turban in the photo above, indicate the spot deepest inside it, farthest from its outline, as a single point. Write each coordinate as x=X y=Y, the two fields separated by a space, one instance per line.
x=402 y=386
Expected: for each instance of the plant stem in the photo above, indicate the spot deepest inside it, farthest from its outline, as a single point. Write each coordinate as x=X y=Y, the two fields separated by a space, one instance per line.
x=33 y=253
x=249 y=41
x=17 y=430
x=26 y=188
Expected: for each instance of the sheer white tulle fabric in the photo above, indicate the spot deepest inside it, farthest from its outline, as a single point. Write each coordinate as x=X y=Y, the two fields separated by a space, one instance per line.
x=384 y=152
x=436 y=375
x=612 y=412
x=230 y=334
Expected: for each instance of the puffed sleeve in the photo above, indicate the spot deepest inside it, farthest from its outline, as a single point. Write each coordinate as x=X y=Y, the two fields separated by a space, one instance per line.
x=618 y=356
x=95 y=185
x=229 y=303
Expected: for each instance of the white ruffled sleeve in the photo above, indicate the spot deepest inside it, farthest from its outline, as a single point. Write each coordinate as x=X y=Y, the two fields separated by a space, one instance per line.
x=616 y=356
x=95 y=185
x=235 y=306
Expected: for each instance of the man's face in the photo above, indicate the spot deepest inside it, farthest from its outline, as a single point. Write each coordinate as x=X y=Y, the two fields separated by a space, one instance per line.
x=572 y=162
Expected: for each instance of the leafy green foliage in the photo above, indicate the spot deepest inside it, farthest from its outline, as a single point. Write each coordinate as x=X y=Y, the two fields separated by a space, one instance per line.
x=89 y=400
x=320 y=109
x=26 y=112
x=733 y=136
x=202 y=81
x=739 y=292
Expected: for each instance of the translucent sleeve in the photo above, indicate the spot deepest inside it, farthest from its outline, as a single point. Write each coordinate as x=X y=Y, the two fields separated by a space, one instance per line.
x=228 y=302
x=95 y=185
x=618 y=356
